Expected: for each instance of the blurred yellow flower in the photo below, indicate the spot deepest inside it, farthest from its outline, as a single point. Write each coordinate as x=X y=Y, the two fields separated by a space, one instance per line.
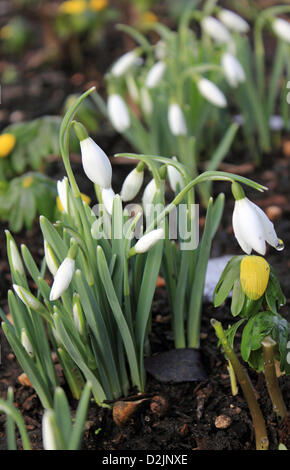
x=148 y=17
x=254 y=276
x=84 y=197
x=6 y=32
x=73 y=7
x=98 y=5
x=7 y=143
x=27 y=182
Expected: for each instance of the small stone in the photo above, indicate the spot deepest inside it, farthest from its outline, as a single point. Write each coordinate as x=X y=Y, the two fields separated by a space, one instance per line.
x=223 y=422
x=24 y=380
x=158 y=405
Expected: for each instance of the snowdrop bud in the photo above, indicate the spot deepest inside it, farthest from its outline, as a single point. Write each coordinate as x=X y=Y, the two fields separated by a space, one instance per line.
x=276 y=123
x=96 y=164
x=233 y=21
x=215 y=29
x=282 y=29
x=124 y=63
x=175 y=178
x=155 y=74
x=146 y=102
x=211 y=92
x=160 y=50
x=108 y=198
x=132 y=88
x=50 y=259
x=64 y=275
x=48 y=430
x=25 y=341
x=233 y=70
x=62 y=189
x=176 y=120
x=147 y=241
x=118 y=113
x=16 y=261
x=78 y=315
x=27 y=298
x=252 y=228
x=149 y=193
x=132 y=185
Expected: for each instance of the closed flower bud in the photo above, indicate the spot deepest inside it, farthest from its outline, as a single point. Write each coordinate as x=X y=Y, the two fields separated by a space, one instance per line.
x=211 y=92
x=50 y=259
x=64 y=275
x=28 y=299
x=282 y=29
x=78 y=315
x=96 y=164
x=254 y=276
x=215 y=29
x=174 y=176
x=124 y=63
x=108 y=199
x=7 y=144
x=49 y=424
x=155 y=74
x=25 y=341
x=132 y=185
x=15 y=260
x=233 y=21
x=132 y=88
x=233 y=70
x=148 y=241
x=146 y=102
x=149 y=193
x=176 y=120
x=118 y=113
x=62 y=189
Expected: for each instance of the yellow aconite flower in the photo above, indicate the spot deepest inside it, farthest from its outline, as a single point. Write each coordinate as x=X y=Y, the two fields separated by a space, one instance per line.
x=148 y=17
x=254 y=276
x=73 y=7
x=27 y=182
x=98 y=5
x=6 y=32
x=84 y=197
x=7 y=143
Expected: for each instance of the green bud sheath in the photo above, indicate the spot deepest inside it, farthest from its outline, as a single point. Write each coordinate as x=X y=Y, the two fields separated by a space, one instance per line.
x=80 y=131
x=237 y=191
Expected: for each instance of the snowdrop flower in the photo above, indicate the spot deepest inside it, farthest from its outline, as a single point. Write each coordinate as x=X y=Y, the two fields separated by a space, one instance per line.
x=27 y=298
x=174 y=176
x=25 y=341
x=124 y=63
x=132 y=184
x=215 y=29
x=108 y=195
x=252 y=228
x=282 y=29
x=276 y=123
x=233 y=21
x=149 y=193
x=50 y=259
x=78 y=315
x=148 y=240
x=146 y=101
x=132 y=88
x=155 y=74
x=233 y=70
x=48 y=425
x=118 y=113
x=16 y=261
x=176 y=120
x=254 y=276
x=64 y=275
x=62 y=189
x=211 y=92
x=95 y=162
x=160 y=50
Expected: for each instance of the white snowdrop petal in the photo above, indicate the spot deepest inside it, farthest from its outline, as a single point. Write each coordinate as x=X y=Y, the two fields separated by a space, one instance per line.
x=124 y=63
x=174 y=177
x=48 y=436
x=249 y=225
x=233 y=69
x=211 y=92
x=155 y=74
x=176 y=120
x=118 y=113
x=233 y=21
x=149 y=240
x=268 y=227
x=238 y=233
x=62 y=278
x=96 y=164
x=215 y=29
x=108 y=198
x=282 y=29
x=62 y=189
x=132 y=185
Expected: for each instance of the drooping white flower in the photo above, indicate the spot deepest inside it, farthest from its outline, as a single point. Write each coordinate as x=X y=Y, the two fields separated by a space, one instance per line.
x=233 y=21
x=48 y=430
x=174 y=177
x=252 y=228
x=276 y=123
x=62 y=278
x=118 y=113
x=108 y=195
x=96 y=164
x=26 y=343
x=132 y=185
x=233 y=70
x=282 y=29
x=148 y=240
x=124 y=63
x=176 y=120
x=215 y=29
x=146 y=101
x=62 y=189
x=50 y=259
x=155 y=74
x=27 y=298
x=211 y=92
x=149 y=193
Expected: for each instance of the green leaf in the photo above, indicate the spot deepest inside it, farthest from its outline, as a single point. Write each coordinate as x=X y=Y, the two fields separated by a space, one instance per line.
x=238 y=298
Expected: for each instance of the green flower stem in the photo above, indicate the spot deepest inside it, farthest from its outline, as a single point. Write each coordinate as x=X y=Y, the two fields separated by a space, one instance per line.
x=246 y=385
x=279 y=406
x=233 y=379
